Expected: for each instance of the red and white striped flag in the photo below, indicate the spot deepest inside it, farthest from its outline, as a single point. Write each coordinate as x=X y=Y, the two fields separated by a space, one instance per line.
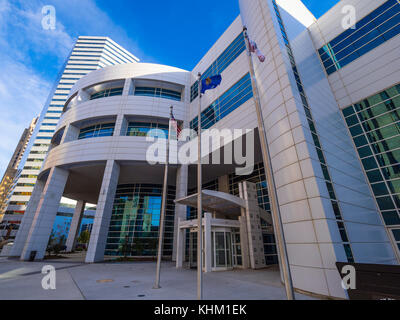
x=175 y=125
x=254 y=49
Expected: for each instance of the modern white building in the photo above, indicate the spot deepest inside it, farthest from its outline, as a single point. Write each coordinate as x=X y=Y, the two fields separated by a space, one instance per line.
x=330 y=100
x=88 y=54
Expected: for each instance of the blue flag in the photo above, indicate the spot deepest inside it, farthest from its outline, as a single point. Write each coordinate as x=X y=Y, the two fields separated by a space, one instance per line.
x=210 y=83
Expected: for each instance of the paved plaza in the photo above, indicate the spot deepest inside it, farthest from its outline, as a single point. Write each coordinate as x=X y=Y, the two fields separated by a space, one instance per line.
x=133 y=281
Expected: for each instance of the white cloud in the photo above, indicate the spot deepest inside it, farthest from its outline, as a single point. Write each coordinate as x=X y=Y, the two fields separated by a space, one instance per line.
x=22 y=95
x=23 y=42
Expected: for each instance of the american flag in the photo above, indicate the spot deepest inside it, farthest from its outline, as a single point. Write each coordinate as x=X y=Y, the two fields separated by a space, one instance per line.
x=254 y=49
x=175 y=125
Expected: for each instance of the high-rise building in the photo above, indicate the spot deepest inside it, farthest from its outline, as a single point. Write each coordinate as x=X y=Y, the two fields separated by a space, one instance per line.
x=87 y=55
x=11 y=172
x=330 y=102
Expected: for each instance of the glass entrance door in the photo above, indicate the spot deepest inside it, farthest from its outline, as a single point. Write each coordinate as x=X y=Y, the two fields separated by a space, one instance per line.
x=193 y=249
x=222 y=250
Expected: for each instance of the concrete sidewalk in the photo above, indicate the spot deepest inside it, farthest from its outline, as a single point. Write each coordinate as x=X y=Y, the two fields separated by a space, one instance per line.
x=133 y=281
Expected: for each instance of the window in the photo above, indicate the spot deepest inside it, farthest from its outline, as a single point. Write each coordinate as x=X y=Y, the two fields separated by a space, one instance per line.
x=40 y=145
x=376 y=28
x=141 y=129
x=158 y=93
x=378 y=145
x=135 y=221
x=49 y=124
x=99 y=130
x=232 y=99
x=29 y=176
x=23 y=193
x=396 y=235
x=25 y=184
x=221 y=63
x=107 y=93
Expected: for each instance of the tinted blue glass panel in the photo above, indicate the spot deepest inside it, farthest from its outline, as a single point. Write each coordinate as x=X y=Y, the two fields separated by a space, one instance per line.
x=233 y=51
x=238 y=94
x=158 y=93
x=100 y=130
x=107 y=93
x=141 y=129
x=370 y=32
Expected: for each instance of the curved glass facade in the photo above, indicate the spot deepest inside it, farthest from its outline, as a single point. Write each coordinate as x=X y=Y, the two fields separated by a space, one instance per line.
x=141 y=129
x=107 y=93
x=158 y=93
x=135 y=221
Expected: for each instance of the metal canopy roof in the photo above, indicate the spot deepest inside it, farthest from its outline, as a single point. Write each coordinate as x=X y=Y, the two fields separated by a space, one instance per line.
x=215 y=201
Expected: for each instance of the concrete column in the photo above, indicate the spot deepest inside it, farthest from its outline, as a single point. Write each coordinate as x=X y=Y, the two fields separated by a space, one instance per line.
x=180 y=250
x=180 y=210
x=223 y=184
x=45 y=214
x=254 y=232
x=244 y=241
x=83 y=96
x=102 y=219
x=207 y=242
x=127 y=87
x=71 y=133
x=27 y=220
x=121 y=126
x=75 y=225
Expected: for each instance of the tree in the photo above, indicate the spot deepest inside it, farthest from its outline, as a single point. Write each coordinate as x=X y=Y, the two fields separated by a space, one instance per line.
x=126 y=247
x=139 y=246
x=52 y=238
x=84 y=237
x=62 y=240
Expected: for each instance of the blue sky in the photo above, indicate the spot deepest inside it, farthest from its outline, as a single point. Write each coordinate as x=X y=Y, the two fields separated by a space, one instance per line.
x=176 y=32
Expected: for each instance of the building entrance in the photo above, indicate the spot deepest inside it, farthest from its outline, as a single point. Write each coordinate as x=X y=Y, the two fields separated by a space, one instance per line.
x=225 y=249
x=232 y=236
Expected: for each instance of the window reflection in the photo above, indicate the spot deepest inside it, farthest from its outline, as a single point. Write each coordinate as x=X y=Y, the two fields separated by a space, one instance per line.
x=135 y=221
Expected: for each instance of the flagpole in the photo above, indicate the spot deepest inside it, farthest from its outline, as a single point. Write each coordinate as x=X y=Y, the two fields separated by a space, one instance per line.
x=163 y=209
x=199 y=204
x=276 y=215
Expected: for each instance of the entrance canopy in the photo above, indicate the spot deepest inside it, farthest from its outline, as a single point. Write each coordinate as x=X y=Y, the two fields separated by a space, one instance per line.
x=214 y=201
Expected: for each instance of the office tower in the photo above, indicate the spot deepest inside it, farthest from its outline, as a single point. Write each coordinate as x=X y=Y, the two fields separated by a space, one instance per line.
x=12 y=169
